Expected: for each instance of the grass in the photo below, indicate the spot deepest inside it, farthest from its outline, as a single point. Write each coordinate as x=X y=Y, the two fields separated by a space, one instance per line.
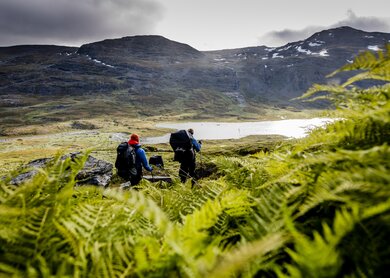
x=27 y=114
x=17 y=150
x=42 y=129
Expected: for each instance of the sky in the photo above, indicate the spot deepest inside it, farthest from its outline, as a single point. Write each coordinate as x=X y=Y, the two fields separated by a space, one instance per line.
x=202 y=24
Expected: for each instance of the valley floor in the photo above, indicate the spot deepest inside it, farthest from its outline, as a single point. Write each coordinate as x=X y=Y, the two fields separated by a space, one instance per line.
x=33 y=142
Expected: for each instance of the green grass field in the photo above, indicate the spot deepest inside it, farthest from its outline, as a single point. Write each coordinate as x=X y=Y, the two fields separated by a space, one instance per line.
x=39 y=131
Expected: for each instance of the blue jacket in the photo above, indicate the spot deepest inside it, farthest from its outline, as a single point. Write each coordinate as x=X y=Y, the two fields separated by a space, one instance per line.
x=196 y=145
x=140 y=159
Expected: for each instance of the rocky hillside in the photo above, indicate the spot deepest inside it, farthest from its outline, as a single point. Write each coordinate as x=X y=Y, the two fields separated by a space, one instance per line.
x=157 y=71
x=279 y=74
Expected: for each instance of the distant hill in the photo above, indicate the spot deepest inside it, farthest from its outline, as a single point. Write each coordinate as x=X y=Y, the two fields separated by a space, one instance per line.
x=155 y=71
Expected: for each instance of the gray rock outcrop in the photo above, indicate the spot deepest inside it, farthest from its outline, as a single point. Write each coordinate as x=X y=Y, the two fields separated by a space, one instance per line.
x=95 y=171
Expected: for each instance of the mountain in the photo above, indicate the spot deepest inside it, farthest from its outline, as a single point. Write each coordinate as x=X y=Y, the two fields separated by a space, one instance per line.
x=156 y=72
x=279 y=74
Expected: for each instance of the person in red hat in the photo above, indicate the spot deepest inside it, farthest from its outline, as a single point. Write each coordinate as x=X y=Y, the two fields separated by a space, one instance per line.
x=140 y=160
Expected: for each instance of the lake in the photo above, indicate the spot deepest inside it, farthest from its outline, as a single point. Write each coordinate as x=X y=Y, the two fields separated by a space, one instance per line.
x=295 y=128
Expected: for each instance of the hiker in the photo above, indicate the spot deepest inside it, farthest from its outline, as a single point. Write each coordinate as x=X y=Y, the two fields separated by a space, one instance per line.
x=188 y=162
x=140 y=159
x=130 y=160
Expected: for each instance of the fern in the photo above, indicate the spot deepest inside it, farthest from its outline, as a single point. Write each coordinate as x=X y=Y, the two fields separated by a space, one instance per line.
x=180 y=200
x=317 y=206
x=319 y=256
x=247 y=259
x=376 y=67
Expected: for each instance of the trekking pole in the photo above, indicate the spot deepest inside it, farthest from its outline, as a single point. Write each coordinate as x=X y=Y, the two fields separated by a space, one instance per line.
x=191 y=177
x=152 y=175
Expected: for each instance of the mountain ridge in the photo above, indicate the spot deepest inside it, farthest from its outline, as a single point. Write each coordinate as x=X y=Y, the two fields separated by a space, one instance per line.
x=156 y=72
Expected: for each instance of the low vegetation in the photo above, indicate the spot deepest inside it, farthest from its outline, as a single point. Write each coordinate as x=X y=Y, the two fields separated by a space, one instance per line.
x=314 y=207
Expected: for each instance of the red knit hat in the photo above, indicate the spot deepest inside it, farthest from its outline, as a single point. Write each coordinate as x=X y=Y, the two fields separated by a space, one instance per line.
x=134 y=139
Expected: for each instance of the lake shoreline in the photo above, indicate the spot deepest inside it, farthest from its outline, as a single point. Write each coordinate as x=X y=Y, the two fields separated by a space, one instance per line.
x=290 y=128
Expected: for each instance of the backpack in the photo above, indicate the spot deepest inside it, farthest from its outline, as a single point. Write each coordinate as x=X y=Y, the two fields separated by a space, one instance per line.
x=125 y=160
x=156 y=160
x=181 y=143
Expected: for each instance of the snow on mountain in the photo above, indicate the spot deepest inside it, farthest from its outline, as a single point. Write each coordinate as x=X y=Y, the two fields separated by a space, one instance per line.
x=373 y=47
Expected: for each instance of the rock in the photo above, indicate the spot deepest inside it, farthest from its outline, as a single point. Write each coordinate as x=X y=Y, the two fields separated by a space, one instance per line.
x=125 y=185
x=83 y=125
x=34 y=165
x=95 y=171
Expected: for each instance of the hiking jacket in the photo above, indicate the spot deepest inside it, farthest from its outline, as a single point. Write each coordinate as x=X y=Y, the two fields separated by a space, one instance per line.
x=140 y=159
x=196 y=145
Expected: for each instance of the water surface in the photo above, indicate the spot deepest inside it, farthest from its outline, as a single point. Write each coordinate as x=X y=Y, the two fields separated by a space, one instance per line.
x=295 y=128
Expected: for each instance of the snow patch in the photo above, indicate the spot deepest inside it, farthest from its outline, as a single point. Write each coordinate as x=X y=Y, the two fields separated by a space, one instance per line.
x=285 y=48
x=242 y=54
x=369 y=37
x=323 y=53
x=312 y=44
x=300 y=49
x=373 y=47
x=264 y=58
x=99 y=62
x=270 y=49
x=276 y=55
x=107 y=65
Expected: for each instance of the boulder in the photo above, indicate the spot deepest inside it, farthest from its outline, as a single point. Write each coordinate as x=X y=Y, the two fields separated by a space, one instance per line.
x=95 y=171
x=29 y=174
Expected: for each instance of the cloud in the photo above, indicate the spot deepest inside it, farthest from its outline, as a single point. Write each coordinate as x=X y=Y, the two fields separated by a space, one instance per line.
x=369 y=24
x=277 y=38
x=73 y=22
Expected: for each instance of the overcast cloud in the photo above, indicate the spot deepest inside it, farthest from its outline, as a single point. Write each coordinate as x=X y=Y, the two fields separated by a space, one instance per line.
x=74 y=22
x=370 y=24
x=203 y=24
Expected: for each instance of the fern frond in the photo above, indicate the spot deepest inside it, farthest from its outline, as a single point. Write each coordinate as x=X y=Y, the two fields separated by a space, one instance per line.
x=377 y=65
x=334 y=90
x=180 y=200
x=247 y=259
x=320 y=256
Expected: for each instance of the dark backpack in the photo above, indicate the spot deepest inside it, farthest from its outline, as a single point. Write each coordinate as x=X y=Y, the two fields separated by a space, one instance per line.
x=125 y=160
x=156 y=160
x=181 y=143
